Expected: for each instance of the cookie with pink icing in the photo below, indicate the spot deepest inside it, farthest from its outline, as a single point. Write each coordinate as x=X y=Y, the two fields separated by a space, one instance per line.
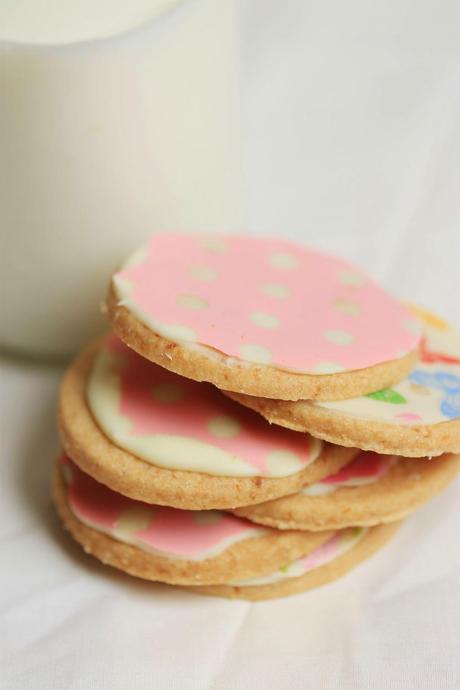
x=167 y=544
x=261 y=316
x=158 y=437
x=341 y=553
x=418 y=417
x=370 y=490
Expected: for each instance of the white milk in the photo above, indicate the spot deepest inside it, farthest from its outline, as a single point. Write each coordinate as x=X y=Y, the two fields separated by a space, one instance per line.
x=103 y=142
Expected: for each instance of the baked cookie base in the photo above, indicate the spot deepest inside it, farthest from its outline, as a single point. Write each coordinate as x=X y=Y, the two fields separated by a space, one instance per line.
x=252 y=557
x=407 y=485
x=376 y=538
x=88 y=446
x=414 y=440
x=231 y=374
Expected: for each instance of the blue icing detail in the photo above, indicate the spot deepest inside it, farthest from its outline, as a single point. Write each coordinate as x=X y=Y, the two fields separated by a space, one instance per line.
x=443 y=381
x=448 y=382
x=450 y=406
x=423 y=378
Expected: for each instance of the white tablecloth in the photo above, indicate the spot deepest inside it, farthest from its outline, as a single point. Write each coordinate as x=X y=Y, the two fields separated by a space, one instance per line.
x=352 y=143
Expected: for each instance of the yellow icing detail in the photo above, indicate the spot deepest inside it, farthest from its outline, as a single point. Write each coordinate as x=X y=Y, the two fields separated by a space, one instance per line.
x=429 y=318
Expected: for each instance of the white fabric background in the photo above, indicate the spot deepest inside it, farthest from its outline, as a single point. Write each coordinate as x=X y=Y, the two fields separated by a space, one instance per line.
x=352 y=143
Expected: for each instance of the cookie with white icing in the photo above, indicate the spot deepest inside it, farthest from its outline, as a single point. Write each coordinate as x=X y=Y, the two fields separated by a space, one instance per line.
x=341 y=553
x=417 y=417
x=372 y=489
x=261 y=316
x=161 y=438
x=164 y=544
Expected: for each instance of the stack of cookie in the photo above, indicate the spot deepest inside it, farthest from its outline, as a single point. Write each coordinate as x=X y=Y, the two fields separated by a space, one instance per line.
x=259 y=422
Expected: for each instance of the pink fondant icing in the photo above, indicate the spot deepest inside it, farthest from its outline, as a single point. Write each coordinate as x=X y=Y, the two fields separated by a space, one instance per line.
x=326 y=552
x=410 y=417
x=367 y=465
x=191 y=415
x=172 y=531
x=328 y=311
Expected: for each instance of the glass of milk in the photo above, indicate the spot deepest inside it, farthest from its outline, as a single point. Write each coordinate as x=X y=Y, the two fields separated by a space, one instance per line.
x=117 y=119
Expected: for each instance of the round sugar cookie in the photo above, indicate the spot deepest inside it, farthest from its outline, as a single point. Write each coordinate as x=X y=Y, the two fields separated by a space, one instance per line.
x=341 y=553
x=417 y=417
x=166 y=544
x=261 y=316
x=158 y=437
x=371 y=490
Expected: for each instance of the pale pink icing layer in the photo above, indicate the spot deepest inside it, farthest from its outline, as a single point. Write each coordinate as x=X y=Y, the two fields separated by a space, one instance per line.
x=367 y=465
x=300 y=309
x=184 y=533
x=325 y=553
x=196 y=411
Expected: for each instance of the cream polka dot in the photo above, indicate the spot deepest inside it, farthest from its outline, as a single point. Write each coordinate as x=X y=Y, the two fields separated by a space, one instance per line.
x=255 y=353
x=214 y=244
x=167 y=392
x=205 y=273
x=327 y=368
x=276 y=290
x=345 y=306
x=191 y=301
x=283 y=260
x=339 y=337
x=176 y=332
x=224 y=427
x=352 y=278
x=133 y=519
x=206 y=517
x=262 y=320
x=282 y=462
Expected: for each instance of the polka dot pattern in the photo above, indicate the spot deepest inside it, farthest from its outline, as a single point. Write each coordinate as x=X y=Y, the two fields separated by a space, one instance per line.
x=169 y=532
x=166 y=419
x=203 y=273
x=255 y=353
x=224 y=427
x=263 y=320
x=339 y=337
x=191 y=301
x=431 y=392
x=265 y=301
x=276 y=290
